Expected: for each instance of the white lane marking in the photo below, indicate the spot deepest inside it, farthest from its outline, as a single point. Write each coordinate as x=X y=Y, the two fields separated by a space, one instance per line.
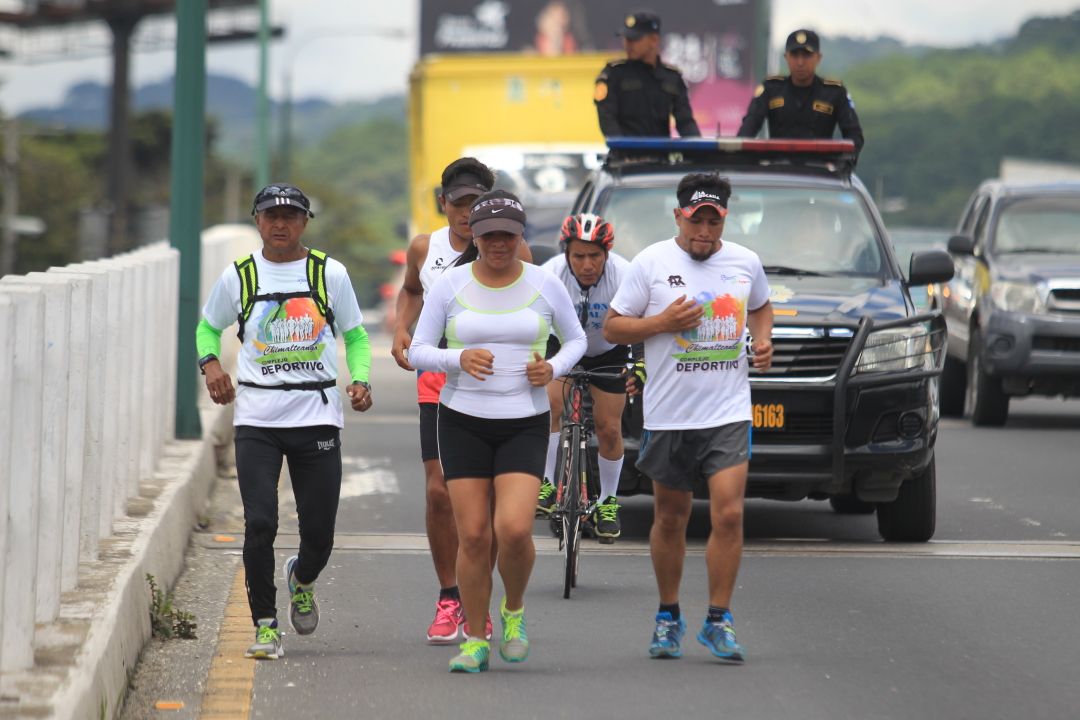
x=362 y=476
x=417 y=543
x=385 y=419
x=989 y=504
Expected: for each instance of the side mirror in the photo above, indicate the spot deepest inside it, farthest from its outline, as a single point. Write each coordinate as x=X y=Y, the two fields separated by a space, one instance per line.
x=962 y=245
x=930 y=266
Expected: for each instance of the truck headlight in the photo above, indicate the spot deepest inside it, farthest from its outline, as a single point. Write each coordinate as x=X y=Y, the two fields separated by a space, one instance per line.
x=897 y=349
x=1016 y=297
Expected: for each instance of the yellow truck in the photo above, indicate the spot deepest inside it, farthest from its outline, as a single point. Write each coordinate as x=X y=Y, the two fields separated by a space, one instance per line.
x=459 y=102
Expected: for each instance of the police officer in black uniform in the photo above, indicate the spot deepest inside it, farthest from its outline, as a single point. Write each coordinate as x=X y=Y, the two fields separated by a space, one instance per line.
x=802 y=105
x=639 y=95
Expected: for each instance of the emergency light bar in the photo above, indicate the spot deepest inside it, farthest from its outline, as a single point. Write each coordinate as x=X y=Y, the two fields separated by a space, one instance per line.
x=834 y=156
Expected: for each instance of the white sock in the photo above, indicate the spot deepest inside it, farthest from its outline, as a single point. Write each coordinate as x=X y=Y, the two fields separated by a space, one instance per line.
x=553 y=449
x=609 y=477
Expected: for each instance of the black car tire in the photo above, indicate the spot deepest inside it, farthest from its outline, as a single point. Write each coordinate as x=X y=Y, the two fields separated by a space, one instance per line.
x=850 y=505
x=953 y=388
x=912 y=516
x=987 y=402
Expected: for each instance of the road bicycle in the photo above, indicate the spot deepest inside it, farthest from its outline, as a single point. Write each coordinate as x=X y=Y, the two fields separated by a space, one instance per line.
x=577 y=488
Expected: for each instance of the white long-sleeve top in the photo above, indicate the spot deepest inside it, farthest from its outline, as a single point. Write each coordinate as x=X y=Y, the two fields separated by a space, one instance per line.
x=511 y=322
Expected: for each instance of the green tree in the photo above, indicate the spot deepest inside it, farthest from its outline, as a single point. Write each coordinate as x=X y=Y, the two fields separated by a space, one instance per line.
x=938 y=124
x=359 y=177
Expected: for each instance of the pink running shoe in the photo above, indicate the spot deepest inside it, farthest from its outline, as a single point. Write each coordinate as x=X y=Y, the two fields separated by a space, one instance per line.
x=448 y=618
x=487 y=627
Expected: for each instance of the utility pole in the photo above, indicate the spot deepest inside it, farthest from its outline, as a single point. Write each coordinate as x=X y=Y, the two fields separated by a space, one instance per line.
x=186 y=206
x=262 y=119
x=9 y=237
x=122 y=17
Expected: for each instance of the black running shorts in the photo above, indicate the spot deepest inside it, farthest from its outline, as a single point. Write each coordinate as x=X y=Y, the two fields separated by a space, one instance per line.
x=429 y=431
x=478 y=447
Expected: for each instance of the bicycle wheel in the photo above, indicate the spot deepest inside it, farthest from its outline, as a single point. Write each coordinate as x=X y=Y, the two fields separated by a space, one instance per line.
x=581 y=470
x=562 y=472
x=570 y=506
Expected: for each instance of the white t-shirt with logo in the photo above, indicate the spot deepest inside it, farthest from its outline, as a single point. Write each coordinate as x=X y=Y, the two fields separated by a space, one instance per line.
x=286 y=342
x=697 y=378
x=512 y=322
x=598 y=296
x=440 y=256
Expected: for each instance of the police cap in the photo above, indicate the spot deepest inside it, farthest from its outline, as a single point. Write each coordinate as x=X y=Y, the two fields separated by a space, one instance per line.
x=639 y=25
x=805 y=40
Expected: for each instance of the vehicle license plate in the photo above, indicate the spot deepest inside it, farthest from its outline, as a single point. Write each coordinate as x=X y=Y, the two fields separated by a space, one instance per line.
x=769 y=416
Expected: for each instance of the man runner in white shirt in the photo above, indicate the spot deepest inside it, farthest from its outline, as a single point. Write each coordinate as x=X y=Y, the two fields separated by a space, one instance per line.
x=292 y=305
x=591 y=273
x=692 y=299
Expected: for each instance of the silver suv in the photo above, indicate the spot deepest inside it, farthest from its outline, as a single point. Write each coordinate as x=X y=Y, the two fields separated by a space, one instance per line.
x=1013 y=307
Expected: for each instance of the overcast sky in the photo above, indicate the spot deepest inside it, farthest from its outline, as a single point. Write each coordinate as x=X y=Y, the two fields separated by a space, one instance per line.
x=335 y=50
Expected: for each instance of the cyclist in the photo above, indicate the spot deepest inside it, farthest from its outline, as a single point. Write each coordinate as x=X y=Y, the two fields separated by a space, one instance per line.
x=592 y=273
x=428 y=256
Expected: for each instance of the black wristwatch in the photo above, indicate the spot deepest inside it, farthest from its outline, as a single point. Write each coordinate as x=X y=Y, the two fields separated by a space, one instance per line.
x=364 y=384
x=205 y=359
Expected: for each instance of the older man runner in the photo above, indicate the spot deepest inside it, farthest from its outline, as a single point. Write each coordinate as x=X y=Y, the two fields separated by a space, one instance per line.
x=291 y=304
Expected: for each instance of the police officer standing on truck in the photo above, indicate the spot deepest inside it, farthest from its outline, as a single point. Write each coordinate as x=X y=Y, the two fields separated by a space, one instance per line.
x=640 y=95
x=801 y=104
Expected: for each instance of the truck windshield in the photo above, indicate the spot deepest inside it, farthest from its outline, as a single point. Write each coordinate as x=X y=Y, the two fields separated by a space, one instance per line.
x=1039 y=225
x=813 y=230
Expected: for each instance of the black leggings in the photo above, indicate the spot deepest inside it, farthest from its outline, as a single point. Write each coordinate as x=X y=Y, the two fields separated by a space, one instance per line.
x=314 y=457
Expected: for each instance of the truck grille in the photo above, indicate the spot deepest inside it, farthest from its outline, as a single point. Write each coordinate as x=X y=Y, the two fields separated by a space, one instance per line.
x=807 y=356
x=1056 y=344
x=808 y=429
x=1064 y=300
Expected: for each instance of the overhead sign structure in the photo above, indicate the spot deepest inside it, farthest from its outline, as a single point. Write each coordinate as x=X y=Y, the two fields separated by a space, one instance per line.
x=719 y=45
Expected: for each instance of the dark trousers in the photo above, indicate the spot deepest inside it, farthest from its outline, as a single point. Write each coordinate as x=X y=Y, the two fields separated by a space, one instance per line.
x=314 y=457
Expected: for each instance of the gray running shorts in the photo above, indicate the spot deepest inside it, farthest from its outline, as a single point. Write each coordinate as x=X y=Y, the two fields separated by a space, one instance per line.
x=680 y=459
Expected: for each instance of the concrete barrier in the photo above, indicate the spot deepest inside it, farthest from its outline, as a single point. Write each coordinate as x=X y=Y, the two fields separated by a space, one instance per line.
x=95 y=492
x=23 y=472
x=8 y=310
x=88 y=331
x=53 y=403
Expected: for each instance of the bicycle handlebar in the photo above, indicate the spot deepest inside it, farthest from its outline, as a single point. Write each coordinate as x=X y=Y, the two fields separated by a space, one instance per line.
x=603 y=372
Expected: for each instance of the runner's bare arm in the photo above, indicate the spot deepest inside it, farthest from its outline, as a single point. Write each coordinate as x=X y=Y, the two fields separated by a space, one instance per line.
x=410 y=300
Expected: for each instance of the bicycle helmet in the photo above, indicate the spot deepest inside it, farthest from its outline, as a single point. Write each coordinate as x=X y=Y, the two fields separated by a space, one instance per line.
x=587 y=227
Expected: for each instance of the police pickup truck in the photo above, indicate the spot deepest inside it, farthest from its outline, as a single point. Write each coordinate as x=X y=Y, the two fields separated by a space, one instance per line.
x=849 y=410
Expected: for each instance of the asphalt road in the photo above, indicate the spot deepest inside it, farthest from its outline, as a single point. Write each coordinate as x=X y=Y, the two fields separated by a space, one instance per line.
x=978 y=623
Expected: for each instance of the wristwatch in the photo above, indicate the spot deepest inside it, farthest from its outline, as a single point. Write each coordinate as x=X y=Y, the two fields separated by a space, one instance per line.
x=205 y=359
x=362 y=383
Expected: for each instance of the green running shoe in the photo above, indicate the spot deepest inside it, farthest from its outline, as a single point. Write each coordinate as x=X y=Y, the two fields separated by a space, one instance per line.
x=514 y=647
x=545 y=501
x=303 y=610
x=472 y=658
x=267 y=641
x=606 y=518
